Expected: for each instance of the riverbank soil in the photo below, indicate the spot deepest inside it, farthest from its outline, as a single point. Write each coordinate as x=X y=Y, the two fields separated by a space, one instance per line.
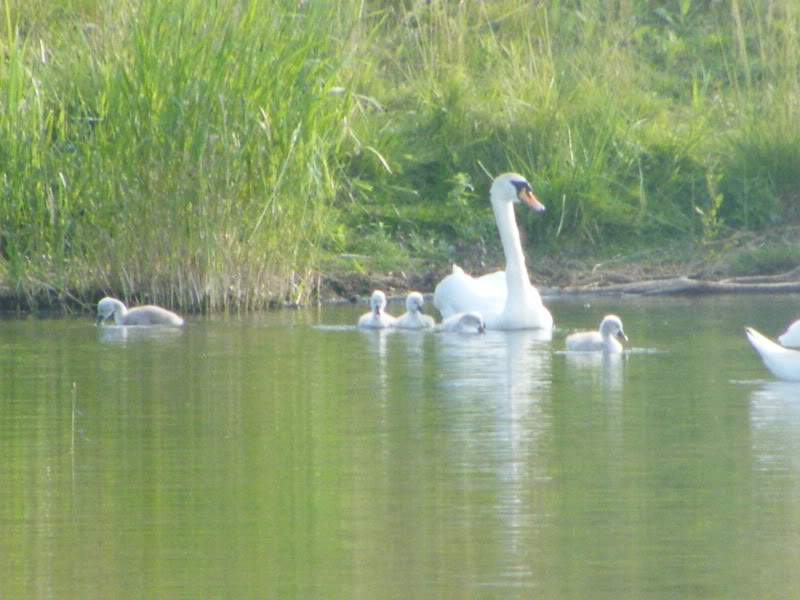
x=742 y=262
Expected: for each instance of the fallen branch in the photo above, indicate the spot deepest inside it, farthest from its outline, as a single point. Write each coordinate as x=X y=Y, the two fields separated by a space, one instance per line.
x=682 y=286
x=790 y=276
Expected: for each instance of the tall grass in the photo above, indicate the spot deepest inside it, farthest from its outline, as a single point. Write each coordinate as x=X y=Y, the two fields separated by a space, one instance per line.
x=636 y=121
x=183 y=153
x=208 y=154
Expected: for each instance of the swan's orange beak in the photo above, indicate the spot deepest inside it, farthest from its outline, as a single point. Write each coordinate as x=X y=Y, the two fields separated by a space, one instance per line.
x=528 y=198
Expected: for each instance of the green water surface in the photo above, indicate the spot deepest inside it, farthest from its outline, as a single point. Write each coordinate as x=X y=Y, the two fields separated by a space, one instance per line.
x=289 y=455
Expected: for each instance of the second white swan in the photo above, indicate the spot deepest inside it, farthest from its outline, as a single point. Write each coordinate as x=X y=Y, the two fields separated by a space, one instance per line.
x=782 y=362
x=505 y=299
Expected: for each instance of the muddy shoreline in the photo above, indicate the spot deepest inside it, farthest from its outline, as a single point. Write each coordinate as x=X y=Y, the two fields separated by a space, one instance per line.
x=397 y=286
x=702 y=269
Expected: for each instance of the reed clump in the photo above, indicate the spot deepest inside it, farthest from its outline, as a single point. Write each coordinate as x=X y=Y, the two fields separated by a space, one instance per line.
x=209 y=155
x=176 y=151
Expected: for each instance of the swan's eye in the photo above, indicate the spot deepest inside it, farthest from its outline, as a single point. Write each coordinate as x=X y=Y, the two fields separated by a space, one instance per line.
x=521 y=185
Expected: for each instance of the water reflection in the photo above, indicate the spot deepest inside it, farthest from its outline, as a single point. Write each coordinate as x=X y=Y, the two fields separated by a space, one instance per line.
x=476 y=409
x=775 y=432
x=503 y=368
x=274 y=458
x=122 y=335
x=499 y=386
x=775 y=425
x=784 y=391
x=601 y=368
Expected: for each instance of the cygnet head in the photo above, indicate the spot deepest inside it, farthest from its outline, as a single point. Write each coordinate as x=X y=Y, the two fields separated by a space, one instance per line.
x=415 y=302
x=472 y=319
x=612 y=325
x=511 y=187
x=107 y=307
x=377 y=301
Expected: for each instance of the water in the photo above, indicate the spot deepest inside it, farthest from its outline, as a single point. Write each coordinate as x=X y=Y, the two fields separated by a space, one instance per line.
x=288 y=455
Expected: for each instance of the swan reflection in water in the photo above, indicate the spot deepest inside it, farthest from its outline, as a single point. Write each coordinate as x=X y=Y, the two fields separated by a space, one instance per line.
x=502 y=366
x=122 y=334
x=396 y=350
x=783 y=391
x=378 y=347
x=775 y=426
x=495 y=389
x=597 y=368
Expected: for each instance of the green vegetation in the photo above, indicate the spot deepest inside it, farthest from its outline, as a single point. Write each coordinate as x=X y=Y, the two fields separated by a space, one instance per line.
x=771 y=260
x=212 y=155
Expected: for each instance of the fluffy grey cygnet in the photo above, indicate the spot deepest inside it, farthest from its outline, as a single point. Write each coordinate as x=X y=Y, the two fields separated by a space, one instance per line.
x=376 y=318
x=603 y=340
x=140 y=315
x=414 y=317
x=468 y=322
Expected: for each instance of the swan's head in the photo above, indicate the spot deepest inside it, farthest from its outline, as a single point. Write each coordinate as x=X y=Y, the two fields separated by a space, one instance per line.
x=106 y=309
x=377 y=301
x=510 y=187
x=414 y=302
x=472 y=320
x=612 y=325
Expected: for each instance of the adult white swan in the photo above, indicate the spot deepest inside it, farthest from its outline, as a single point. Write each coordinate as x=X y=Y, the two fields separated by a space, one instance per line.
x=602 y=340
x=791 y=337
x=782 y=362
x=376 y=318
x=505 y=299
x=414 y=317
x=141 y=315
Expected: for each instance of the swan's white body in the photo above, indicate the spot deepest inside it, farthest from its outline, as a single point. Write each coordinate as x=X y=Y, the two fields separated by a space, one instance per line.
x=791 y=338
x=505 y=299
x=141 y=315
x=376 y=318
x=469 y=322
x=414 y=318
x=782 y=362
x=604 y=340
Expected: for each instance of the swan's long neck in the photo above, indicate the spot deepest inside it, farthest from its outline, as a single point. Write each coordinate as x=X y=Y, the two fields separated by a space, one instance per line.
x=516 y=272
x=120 y=310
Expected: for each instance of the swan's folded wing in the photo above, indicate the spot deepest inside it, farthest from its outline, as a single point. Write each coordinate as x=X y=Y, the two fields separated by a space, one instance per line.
x=584 y=341
x=791 y=339
x=152 y=315
x=459 y=292
x=493 y=281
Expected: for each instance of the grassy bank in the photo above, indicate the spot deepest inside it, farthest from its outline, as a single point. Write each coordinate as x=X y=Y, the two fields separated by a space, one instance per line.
x=219 y=155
